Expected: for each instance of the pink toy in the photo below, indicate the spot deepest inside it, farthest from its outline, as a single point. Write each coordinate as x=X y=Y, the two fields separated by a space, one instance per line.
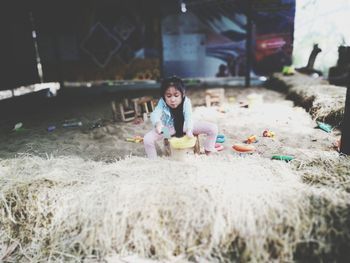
x=219 y=147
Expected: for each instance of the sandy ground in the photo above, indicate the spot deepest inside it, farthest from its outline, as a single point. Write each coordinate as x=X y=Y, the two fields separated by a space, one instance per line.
x=278 y=210
x=295 y=131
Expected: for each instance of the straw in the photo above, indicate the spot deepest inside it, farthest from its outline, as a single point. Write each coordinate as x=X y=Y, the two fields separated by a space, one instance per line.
x=213 y=209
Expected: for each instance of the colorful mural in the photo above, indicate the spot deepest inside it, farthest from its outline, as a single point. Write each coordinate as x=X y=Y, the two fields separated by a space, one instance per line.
x=209 y=35
x=114 y=40
x=274 y=28
x=209 y=39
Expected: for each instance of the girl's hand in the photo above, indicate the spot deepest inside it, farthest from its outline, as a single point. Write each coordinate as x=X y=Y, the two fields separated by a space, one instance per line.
x=159 y=127
x=189 y=133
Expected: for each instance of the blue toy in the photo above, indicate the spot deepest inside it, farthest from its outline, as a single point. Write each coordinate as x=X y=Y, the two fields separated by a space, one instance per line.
x=220 y=138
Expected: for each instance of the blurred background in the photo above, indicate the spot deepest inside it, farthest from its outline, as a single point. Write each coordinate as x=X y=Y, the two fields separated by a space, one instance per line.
x=74 y=42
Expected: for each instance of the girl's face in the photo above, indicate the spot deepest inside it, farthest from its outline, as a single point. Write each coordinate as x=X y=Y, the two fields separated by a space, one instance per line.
x=173 y=97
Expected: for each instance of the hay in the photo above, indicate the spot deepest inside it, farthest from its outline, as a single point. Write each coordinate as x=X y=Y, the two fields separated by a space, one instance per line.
x=325 y=102
x=214 y=209
x=332 y=171
x=222 y=208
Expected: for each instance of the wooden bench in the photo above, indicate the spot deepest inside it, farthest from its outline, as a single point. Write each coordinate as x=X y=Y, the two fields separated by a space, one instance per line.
x=214 y=97
x=130 y=109
x=123 y=111
x=143 y=105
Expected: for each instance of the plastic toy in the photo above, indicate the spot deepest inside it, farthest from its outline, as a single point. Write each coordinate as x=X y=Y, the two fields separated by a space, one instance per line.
x=243 y=148
x=219 y=147
x=324 y=126
x=136 y=139
x=286 y=158
x=231 y=99
x=288 y=70
x=183 y=142
x=51 y=128
x=267 y=133
x=220 y=138
x=166 y=133
x=18 y=126
x=251 y=139
x=72 y=124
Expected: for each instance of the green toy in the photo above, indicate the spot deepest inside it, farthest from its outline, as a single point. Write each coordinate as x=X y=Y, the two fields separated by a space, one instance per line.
x=324 y=126
x=286 y=158
x=166 y=132
x=288 y=70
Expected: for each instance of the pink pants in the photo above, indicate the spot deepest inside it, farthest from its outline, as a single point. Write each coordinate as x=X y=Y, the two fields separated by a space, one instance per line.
x=199 y=127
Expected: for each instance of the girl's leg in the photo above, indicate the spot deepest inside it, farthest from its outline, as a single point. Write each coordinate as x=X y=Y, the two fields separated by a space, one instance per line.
x=210 y=129
x=149 y=141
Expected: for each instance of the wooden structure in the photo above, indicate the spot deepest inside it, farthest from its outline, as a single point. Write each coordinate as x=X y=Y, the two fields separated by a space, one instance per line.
x=214 y=97
x=309 y=68
x=345 y=126
x=123 y=111
x=129 y=109
x=143 y=105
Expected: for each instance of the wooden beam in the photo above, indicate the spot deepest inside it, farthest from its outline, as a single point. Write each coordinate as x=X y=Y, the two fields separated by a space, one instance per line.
x=345 y=126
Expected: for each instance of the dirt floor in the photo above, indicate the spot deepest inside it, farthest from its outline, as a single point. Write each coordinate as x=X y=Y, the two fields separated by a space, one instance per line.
x=245 y=112
x=72 y=198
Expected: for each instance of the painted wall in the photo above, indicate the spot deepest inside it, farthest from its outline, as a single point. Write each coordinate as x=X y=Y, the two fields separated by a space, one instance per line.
x=117 y=39
x=209 y=39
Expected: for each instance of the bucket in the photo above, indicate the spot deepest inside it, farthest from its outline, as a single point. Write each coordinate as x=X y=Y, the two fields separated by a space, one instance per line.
x=180 y=154
x=182 y=147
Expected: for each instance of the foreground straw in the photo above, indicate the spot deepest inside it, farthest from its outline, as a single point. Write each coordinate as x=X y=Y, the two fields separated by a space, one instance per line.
x=219 y=210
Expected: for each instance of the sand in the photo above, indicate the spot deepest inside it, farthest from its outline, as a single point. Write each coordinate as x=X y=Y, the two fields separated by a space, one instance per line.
x=59 y=179
x=295 y=130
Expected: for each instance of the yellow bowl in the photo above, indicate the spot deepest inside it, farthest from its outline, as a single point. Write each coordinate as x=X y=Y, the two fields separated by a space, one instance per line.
x=183 y=142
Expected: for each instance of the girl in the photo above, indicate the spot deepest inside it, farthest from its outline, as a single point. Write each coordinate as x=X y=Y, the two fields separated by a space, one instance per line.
x=174 y=111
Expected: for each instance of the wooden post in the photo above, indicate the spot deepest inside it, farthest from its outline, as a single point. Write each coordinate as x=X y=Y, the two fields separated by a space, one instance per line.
x=121 y=110
x=136 y=106
x=37 y=55
x=248 y=42
x=160 y=40
x=345 y=126
x=114 y=110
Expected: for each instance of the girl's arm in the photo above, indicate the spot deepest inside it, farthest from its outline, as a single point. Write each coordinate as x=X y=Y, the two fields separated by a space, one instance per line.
x=188 y=125
x=156 y=115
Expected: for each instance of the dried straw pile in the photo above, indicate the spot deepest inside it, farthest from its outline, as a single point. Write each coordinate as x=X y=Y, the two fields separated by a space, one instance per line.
x=212 y=209
x=324 y=101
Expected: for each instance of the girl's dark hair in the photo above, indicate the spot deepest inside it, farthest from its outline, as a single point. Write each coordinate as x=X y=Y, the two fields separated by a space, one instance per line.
x=173 y=81
x=177 y=113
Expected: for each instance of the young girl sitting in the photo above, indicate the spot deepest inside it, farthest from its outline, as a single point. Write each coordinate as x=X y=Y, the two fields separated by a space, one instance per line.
x=174 y=111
